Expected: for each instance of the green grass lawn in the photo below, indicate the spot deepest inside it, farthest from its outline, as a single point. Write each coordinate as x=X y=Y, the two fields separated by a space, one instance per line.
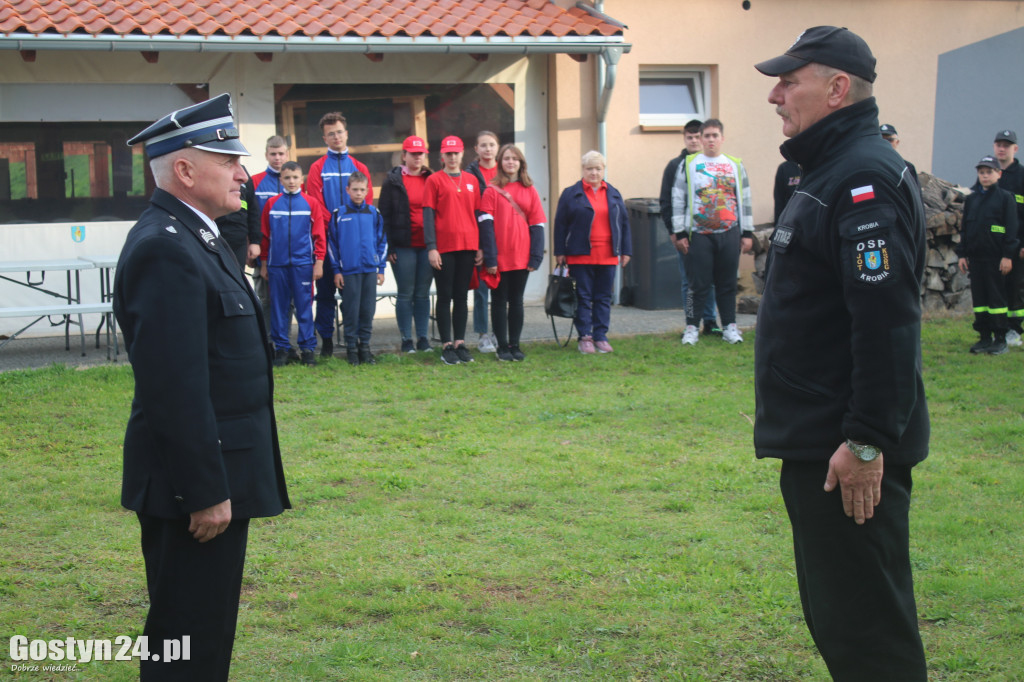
x=571 y=517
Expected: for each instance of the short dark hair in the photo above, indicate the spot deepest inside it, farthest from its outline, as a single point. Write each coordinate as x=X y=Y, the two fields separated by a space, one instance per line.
x=712 y=123
x=291 y=165
x=358 y=177
x=692 y=127
x=332 y=117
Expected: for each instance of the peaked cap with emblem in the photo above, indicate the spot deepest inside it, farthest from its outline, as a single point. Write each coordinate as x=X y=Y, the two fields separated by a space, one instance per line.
x=208 y=125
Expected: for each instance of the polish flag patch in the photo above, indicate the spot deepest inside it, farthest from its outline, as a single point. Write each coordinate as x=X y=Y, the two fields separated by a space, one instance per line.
x=862 y=193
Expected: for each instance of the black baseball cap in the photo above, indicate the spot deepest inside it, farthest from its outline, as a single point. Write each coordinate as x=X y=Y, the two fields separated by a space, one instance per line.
x=886 y=129
x=1006 y=135
x=832 y=46
x=988 y=162
x=209 y=126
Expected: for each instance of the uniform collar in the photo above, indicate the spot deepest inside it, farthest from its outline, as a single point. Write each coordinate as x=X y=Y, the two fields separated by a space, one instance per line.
x=830 y=135
x=202 y=216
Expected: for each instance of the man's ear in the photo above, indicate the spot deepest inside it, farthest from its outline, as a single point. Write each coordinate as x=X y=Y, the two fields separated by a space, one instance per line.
x=184 y=171
x=838 y=89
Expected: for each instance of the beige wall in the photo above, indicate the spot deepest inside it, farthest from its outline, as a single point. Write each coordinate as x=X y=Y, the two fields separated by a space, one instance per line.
x=906 y=36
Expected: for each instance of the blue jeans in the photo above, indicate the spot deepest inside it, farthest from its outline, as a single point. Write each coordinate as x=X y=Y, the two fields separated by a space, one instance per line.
x=480 y=298
x=413 y=276
x=709 y=304
x=358 y=304
x=594 y=284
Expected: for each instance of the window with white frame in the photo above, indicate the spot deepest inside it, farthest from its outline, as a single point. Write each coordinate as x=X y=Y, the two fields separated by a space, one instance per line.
x=671 y=96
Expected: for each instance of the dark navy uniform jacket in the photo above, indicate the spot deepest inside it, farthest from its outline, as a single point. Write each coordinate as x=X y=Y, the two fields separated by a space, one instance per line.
x=202 y=426
x=838 y=343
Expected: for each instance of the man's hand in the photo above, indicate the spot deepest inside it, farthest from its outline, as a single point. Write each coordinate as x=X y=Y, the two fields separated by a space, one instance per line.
x=962 y=264
x=683 y=245
x=1005 y=265
x=434 y=257
x=678 y=243
x=263 y=270
x=860 y=482
x=253 y=252
x=318 y=270
x=746 y=245
x=206 y=524
x=339 y=281
x=380 y=279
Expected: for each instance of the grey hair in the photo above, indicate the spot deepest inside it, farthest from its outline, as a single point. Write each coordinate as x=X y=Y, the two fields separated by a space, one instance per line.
x=860 y=89
x=593 y=155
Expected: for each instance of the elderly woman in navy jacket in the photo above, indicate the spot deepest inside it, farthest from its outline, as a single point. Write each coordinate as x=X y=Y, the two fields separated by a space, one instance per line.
x=592 y=235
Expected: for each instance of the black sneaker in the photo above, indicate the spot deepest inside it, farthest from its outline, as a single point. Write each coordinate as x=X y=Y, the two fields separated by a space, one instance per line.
x=280 y=357
x=517 y=354
x=503 y=354
x=327 y=348
x=982 y=345
x=309 y=358
x=998 y=347
x=352 y=355
x=463 y=353
x=408 y=346
x=365 y=356
x=449 y=356
x=423 y=345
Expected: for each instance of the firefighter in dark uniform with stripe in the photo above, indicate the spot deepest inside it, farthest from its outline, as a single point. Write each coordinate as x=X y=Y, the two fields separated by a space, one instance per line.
x=201 y=454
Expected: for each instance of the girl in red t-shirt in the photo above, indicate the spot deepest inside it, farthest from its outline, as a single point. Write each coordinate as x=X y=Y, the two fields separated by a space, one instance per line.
x=453 y=246
x=512 y=239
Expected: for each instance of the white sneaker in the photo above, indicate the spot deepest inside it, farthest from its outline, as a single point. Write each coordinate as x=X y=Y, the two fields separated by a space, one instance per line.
x=731 y=334
x=691 y=336
x=485 y=344
x=1013 y=338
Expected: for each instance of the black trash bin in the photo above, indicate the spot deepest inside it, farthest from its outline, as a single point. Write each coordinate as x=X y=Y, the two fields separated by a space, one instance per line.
x=651 y=280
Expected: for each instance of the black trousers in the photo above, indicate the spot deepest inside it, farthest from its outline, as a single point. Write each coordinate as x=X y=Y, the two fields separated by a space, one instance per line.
x=855 y=581
x=713 y=260
x=507 y=307
x=452 y=282
x=988 y=296
x=1015 y=295
x=193 y=590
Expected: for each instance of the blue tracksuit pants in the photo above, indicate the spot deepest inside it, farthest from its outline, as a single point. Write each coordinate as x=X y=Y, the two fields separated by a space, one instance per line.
x=291 y=283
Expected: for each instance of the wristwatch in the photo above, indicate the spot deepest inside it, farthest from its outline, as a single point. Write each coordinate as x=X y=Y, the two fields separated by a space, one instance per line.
x=863 y=451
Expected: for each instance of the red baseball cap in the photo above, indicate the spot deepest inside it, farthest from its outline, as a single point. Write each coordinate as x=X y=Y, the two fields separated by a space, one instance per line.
x=451 y=144
x=414 y=144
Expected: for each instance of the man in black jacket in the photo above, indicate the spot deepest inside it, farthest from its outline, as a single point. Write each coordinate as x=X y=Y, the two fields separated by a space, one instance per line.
x=201 y=455
x=838 y=360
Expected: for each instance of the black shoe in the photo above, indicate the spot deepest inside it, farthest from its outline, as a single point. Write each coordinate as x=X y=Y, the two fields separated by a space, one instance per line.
x=280 y=357
x=711 y=328
x=503 y=354
x=517 y=354
x=352 y=355
x=463 y=353
x=423 y=345
x=408 y=346
x=293 y=356
x=449 y=356
x=365 y=356
x=998 y=347
x=982 y=345
x=327 y=348
x=309 y=358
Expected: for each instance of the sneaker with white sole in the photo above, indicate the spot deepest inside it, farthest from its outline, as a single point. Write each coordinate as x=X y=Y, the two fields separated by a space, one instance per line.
x=691 y=336
x=1013 y=338
x=731 y=334
x=485 y=344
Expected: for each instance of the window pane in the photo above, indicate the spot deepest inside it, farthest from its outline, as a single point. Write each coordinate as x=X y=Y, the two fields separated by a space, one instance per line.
x=667 y=96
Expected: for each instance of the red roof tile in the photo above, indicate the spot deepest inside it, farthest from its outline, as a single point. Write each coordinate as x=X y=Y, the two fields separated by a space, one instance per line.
x=300 y=18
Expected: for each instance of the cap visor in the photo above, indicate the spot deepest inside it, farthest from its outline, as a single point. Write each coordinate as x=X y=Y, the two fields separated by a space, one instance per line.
x=780 y=65
x=232 y=146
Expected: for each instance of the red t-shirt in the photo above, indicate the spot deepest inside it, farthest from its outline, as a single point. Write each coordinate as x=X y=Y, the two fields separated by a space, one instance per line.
x=415 y=186
x=511 y=232
x=454 y=201
x=600 y=230
x=488 y=173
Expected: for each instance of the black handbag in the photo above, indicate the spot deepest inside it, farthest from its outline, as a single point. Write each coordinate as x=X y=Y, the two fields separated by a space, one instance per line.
x=560 y=299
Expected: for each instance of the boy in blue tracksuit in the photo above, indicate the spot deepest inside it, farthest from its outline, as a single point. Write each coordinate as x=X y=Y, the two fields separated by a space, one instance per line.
x=357 y=251
x=292 y=253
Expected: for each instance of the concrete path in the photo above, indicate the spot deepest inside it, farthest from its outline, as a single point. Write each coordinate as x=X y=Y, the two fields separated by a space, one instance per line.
x=41 y=351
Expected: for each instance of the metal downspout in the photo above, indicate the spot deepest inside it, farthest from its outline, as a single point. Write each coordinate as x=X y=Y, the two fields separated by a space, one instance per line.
x=607 y=69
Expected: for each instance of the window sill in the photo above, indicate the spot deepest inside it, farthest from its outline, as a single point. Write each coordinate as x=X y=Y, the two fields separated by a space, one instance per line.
x=661 y=128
